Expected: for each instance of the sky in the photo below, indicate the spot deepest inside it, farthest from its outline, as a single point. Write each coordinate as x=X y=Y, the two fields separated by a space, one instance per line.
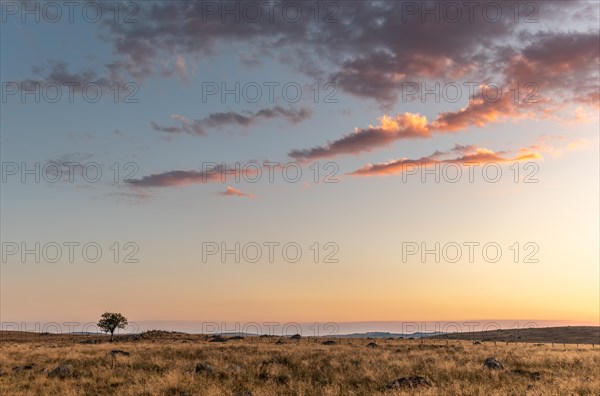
x=345 y=162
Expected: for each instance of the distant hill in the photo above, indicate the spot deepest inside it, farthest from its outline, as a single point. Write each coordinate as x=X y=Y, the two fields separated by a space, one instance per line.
x=384 y=334
x=560 y=335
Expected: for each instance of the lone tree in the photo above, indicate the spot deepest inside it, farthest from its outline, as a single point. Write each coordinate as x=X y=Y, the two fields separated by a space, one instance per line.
x=110 y=321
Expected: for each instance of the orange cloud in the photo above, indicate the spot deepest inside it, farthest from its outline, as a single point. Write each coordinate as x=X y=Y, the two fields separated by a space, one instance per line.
x=545 y=145
x=390 y=129
x=233 y=192
x=488 y=107
x=466 y=154
x=581 y=144
x=480 y=111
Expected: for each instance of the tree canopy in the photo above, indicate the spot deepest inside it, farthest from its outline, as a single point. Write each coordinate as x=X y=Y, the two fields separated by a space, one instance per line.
x=110 y=321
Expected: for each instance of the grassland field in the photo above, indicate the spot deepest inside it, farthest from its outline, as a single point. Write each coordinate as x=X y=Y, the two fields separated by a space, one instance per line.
x=163 y=363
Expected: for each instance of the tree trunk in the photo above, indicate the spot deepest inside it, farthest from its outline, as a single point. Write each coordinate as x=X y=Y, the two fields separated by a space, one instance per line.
x=111 y=335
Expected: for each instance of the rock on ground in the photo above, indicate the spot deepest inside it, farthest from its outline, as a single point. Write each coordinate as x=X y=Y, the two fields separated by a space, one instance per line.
x=202 y=368
x=409 y=382
x=492 y=364
x=62 y=371
x=116 y=352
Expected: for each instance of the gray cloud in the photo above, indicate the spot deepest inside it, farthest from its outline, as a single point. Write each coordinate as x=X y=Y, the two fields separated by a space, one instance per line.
x=231 y=118
x=371 y=49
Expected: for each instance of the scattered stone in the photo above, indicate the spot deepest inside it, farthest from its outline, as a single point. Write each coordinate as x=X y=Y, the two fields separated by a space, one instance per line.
x=217 y=338
x=409 y=382
x=90 y=342
x=329 y=342
x=18 y=369
x=116 y=352
x=372 y=345
x=63 y=371
x=282 y=379
x=204 y=368
x=536 y=376
x=492 y=364
x=296 y=337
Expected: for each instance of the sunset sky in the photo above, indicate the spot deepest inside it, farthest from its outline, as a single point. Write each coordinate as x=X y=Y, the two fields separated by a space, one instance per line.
x=419 y=106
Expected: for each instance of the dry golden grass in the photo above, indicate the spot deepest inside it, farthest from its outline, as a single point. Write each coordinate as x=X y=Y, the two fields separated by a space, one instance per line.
x=258 y=366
